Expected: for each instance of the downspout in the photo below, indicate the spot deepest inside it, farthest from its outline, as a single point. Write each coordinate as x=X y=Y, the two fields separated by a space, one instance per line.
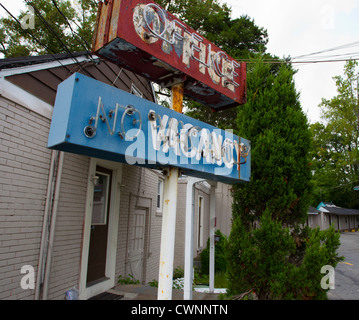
x=52 y=228
x=48 y=202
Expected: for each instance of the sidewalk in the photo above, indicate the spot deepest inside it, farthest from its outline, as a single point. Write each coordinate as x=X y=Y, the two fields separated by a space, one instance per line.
x=145 y=292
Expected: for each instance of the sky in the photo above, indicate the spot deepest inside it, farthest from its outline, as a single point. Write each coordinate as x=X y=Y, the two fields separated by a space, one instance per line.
x=297 y=28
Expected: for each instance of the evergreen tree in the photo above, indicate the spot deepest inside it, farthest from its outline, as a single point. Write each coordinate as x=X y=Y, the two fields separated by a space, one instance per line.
x=274 y=122
x=269 y=251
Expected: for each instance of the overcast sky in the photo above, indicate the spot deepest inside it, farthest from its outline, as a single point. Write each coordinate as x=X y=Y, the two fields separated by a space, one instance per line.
x=297 y=28
x=301 y=27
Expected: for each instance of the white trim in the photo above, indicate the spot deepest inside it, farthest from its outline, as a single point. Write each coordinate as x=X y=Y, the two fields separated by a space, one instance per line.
x=24 y=98
x=87 y=292
x=159 y=209
x=42 y=66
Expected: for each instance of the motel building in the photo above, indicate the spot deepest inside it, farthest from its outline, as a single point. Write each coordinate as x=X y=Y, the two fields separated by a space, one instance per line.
x=75 y=221
x=327 y=214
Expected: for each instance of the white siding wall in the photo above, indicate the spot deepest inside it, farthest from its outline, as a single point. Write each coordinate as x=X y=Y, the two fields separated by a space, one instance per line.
x=24 y=170
x=24 y=167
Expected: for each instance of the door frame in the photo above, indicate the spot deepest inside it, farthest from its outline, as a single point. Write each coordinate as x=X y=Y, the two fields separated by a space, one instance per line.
x=110 y=281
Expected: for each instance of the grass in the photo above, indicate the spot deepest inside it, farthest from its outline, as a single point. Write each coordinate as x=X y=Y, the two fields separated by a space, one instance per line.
x=220 y=280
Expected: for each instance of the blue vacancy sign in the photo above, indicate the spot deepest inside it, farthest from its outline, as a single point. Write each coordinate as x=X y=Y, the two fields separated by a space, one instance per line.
x=98 y=120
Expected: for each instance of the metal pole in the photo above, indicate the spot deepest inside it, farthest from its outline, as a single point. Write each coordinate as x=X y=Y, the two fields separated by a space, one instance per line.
x=165 y=278
x=52 y=227
x=212 y=218
x=188 y=249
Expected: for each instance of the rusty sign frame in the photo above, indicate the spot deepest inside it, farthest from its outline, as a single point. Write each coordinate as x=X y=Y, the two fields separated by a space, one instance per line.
x=141 y=36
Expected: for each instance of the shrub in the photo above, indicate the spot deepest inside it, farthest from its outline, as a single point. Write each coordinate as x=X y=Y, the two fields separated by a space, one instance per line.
x=266 y=260
x=219 y=255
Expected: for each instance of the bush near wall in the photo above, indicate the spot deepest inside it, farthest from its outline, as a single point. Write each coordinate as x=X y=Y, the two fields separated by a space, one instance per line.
x=219 y=255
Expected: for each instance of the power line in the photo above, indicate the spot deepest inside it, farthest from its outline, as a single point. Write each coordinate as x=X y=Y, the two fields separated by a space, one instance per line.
x=297 y=62
x=75 y=34
x=345 y=46
x=316 y=57
x=46 y=24
x=51 y=52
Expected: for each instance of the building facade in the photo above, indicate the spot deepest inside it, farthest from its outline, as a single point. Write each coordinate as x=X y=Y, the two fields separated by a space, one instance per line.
x=47 y=198
x=71 y=221
x=327 y=214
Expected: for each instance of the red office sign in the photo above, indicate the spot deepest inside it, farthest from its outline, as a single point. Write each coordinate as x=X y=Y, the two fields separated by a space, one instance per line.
x=141 y=36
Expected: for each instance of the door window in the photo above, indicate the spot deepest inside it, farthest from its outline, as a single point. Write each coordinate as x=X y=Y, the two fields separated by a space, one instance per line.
x=100 y=198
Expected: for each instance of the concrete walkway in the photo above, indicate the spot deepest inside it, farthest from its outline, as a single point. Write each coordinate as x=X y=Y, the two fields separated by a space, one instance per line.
x=145 y=292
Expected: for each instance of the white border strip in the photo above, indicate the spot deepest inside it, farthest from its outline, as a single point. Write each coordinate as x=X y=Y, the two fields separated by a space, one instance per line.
x=42 y=66
x=24 y=98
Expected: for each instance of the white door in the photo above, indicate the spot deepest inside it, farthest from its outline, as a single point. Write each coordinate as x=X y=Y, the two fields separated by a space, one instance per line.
x=136 y=252
x=97 y=178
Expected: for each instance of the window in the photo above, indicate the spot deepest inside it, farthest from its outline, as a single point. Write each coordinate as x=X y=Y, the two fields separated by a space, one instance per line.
x=100 y=198
x=159 y=195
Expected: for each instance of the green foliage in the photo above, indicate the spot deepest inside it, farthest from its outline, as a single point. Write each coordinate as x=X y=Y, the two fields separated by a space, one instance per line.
x=178 y=273
x=178 y=281
x=268 y=250
x=220 y=280
x=335 y=150
x=240 y=38
x=199 y=277
x=153 y=283
x=15 y=41
x=274 y=122
x=264 y=260
x=219 y=255
x=130 y=279
x=237 y=37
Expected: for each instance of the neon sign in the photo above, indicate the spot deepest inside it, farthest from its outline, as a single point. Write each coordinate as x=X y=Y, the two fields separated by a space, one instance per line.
x=143 y=37
x=150 y=21
x=98 y=120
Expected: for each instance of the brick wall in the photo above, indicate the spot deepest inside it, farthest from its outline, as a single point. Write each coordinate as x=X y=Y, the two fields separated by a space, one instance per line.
x=24 y=167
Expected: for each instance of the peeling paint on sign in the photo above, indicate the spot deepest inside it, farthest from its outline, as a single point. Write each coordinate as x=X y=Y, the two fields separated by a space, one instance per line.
x=153 y=43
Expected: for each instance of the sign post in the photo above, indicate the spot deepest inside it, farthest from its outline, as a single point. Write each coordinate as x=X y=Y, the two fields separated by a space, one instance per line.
x=165 y=277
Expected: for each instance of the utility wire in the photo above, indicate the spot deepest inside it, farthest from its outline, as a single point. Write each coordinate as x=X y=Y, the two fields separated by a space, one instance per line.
x=297 y=62
x=51 y=52
x=86 y=46
x=345 y=46
x=315 y=57
x=43 y=20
